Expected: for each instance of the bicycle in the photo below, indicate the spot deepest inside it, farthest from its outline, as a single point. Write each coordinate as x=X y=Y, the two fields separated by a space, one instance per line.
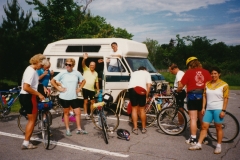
x=103 y=117
x=168 y=122
x=42 y=124
x=7 y=100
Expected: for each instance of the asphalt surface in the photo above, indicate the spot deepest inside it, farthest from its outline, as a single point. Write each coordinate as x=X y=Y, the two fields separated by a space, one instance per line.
x=152 y=145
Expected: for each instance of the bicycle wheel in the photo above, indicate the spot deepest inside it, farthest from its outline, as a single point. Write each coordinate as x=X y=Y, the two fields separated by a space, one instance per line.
x=45 y=127
x=230 y=128
x=104 y=129
x=151 y=114
x=22 y=123
x=112 y=119
x=172 y=121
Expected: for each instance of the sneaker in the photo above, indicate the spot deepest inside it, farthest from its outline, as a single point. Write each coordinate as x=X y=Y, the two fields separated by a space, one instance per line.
x=68 y=133
x=205 y=140
x=217 y=150
x=30 y=146
x=81 y=131
x=191 y=141
x=87 y=117
x=195 y=147
x=72 y=119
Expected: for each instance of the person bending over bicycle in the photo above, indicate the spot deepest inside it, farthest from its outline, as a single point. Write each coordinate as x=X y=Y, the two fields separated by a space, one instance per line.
x=194 y=79
x=215 y=99
x=180 y=96
x=29 y=94
x=139 y=88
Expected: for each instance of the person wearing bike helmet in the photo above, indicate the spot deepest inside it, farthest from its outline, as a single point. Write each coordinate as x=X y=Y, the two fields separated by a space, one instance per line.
x=215 y=98
x=194 y=79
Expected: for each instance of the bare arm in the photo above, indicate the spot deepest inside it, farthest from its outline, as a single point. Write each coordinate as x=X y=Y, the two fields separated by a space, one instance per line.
x=27 y=88
x=180 y=86
x=225 y=102
x=58 y=87
x=42 y=75
x=148 y=89
x=85 y=56
x=81 y=85
x=97 y=86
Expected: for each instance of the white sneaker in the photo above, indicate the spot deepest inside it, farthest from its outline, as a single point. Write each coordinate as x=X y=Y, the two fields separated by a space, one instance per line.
x=195 y=147
x=87 y=117
x=217 y=150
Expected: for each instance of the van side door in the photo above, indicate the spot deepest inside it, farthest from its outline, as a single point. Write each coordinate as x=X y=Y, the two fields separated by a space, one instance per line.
x=115 y=77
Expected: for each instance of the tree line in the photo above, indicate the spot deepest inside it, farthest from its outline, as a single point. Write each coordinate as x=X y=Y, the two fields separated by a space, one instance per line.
x=21 y=37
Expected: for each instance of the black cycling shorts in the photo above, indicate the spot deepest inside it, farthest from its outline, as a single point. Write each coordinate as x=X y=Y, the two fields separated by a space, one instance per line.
x=28 y=103
x=74 y=103
x=136 y=99
x=88 y=94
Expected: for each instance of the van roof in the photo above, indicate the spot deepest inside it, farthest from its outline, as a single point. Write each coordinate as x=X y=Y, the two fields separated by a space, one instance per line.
x=128 y=47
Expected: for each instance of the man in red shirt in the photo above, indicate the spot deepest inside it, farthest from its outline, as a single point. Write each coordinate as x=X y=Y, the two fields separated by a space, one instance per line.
x=194 y=79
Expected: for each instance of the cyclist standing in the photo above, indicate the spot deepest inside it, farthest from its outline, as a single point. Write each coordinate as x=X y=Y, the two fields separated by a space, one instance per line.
x=215 y=97
x=194 y=79
x=28 y=96
x=70 y=80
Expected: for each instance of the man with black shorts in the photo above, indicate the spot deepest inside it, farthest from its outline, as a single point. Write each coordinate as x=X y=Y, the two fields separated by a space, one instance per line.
x=91 y=77
x=139 y=88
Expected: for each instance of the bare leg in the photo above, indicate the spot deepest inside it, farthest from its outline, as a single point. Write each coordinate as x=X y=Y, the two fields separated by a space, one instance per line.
x=134 y=116
x=203 y=132
x=78 y=117
x=143 y=116
x=91 y=107
x=66 y=117
x=30 y=126
x=193 y=121
x=85 y=103
x=219 y=133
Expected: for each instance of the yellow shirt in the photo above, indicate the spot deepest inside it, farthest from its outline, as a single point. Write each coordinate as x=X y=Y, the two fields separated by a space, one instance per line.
x=90 y=77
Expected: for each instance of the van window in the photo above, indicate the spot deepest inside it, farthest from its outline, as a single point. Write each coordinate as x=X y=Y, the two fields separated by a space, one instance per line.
x=61 y=63
x=116 y=66
x=81 y=48
x=135 y=63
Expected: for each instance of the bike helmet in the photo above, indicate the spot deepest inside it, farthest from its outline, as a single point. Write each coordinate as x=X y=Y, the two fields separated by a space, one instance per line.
x=190 y=59
x=123 y=134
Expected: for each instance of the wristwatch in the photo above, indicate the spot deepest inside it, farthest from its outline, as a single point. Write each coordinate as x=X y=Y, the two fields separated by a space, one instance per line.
x=223 y=110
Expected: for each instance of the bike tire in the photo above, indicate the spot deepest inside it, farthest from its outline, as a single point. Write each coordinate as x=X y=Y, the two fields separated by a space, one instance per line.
x=168 y=121
x=22 y=122
x=111 y=118
x=45 y=127
x=151 y=114
x=104 y=129
x=230 y=127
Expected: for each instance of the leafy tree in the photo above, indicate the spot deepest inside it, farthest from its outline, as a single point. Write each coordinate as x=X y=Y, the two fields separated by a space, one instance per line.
x=14 y=41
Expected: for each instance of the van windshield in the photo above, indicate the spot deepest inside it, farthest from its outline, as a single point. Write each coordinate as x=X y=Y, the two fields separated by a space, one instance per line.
x=135 y=63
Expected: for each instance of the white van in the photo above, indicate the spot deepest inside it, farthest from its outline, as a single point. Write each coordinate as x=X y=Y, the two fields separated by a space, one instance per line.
x=134 y=55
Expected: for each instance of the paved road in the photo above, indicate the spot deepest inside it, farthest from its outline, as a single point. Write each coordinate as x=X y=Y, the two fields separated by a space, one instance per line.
x=153 y=145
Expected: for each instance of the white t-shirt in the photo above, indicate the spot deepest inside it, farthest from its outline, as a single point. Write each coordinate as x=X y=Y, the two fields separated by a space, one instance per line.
x=30 y=77
x=178 y=78
x=140 y=78
x=113 y=61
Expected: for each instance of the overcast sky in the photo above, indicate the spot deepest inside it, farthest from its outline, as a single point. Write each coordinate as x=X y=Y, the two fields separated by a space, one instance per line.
x=162 y=20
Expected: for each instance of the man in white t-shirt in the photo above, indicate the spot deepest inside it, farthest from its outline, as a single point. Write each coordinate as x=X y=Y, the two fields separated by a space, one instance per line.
x=139 y=88
x=114 y=65
x=180 y=96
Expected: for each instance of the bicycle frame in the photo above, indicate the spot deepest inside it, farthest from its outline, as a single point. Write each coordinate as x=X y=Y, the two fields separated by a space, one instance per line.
x=6 y=107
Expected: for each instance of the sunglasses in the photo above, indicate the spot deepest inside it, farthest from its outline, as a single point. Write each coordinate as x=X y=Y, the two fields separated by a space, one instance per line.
x=67 y=64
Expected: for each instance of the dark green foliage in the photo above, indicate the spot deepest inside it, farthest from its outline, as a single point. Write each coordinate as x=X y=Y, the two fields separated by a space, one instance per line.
x=21 y=37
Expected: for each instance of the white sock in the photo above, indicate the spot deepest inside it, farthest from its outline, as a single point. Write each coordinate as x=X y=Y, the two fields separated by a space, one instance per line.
x=218 y=145
x=25 y=143
x=193 y=136
x=199 y=144
x=71 y=113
